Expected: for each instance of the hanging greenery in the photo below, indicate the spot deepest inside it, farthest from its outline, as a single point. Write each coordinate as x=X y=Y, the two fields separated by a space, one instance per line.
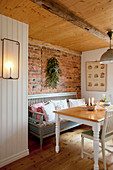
x=52 y=72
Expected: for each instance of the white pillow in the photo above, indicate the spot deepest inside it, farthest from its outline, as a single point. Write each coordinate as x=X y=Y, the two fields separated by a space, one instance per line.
x=60 y=104
x=81 y=102
x=48 y=110
x=76 y=102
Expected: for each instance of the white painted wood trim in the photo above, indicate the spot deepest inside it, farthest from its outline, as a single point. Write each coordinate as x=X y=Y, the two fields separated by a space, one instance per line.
x=57 y=117
x=14 y=157
x=96 y=130
x=47 y=95
x=82 y=121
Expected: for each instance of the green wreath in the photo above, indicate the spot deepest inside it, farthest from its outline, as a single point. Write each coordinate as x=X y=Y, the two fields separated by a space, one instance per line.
x=52 y=73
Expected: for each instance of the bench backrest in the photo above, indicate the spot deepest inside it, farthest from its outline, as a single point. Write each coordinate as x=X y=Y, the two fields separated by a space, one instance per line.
x=33 y=99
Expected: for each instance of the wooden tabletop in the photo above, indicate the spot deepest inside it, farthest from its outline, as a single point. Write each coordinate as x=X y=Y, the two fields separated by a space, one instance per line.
x=82 y=113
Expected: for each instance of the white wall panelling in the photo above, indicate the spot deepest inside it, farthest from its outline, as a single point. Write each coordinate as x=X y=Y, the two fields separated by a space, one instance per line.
x=94 y=55
x=13 y=97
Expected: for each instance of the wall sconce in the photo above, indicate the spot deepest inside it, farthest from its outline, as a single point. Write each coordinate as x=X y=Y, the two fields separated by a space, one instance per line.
x=10 y=59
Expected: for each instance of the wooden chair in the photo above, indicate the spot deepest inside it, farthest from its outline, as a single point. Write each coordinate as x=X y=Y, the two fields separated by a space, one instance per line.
x=106 y=133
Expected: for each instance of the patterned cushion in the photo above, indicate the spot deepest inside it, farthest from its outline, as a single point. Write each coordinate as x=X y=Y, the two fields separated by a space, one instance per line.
x=60 y=104
x=38 y=108
x=76 y=102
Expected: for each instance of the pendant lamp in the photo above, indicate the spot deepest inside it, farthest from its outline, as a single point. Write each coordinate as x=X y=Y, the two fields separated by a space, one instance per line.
x=107 y=57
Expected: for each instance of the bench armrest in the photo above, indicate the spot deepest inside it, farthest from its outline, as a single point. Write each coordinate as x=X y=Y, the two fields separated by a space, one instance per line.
x=34 y=119
x=38 y=113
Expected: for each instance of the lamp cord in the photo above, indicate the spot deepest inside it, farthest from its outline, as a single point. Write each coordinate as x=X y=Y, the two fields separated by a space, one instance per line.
x=110 y=42
x=109 y=33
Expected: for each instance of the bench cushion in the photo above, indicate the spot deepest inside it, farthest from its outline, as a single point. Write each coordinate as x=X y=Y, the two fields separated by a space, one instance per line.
x=48 y=111
x=60 y=104
x=76 y=102
x=38 y=108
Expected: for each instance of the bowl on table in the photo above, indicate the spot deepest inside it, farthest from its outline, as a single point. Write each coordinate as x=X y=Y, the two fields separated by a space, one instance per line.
x=104 y=104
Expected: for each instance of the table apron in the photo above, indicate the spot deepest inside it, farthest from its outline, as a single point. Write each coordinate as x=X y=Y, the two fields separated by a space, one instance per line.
x=83 y=121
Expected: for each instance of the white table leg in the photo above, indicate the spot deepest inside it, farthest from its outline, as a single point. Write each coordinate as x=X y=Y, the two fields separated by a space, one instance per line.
x=96 y=130
x=57 y=131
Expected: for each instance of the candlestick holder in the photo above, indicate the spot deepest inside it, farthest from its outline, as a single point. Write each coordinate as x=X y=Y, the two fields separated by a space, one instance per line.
x=91 y=108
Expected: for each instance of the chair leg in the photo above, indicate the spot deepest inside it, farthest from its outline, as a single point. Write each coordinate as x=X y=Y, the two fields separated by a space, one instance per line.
x=82 y=146
x=103 y=154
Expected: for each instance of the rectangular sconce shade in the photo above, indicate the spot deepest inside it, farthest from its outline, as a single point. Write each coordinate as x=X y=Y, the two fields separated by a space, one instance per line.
x=0 y=59
x=10 y=59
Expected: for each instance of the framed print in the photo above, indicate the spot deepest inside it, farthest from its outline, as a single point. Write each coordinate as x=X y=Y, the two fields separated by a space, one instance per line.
x=96 y=75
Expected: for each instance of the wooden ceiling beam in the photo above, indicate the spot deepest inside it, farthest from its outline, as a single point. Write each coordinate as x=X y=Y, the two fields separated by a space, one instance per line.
x=62 y=12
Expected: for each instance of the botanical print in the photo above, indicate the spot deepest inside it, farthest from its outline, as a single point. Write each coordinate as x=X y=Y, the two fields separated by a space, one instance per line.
x=89 y=67
x=95 y=76
x=102 y=75
x=96 y=84
x=89 y=84
x=96 y=67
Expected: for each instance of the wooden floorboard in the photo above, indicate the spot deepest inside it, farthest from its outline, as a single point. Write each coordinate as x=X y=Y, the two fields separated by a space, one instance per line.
x=69 y=157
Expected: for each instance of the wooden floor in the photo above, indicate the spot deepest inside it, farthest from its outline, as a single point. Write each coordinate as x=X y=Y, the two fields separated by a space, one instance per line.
x=68 y=158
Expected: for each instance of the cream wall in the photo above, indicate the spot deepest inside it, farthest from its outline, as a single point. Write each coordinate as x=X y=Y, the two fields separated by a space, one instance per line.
x=94 y=55
x=13 y=97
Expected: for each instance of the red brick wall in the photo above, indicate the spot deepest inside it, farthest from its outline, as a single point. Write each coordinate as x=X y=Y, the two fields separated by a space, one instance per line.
x=69 y=63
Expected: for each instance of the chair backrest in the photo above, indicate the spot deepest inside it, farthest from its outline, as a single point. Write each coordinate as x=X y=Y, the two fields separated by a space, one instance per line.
x=108 y=123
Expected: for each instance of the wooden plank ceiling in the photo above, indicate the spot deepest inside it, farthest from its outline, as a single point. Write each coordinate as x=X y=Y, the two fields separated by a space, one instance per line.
x=50 y=28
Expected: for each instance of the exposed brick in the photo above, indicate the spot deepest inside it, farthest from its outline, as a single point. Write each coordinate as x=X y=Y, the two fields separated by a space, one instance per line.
x=70 y=64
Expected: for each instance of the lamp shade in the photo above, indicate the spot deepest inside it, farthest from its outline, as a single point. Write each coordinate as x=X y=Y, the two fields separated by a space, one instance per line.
x=107 y=57
x=10 y=59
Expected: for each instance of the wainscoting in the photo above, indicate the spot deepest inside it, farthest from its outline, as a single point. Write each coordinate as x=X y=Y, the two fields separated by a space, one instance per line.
x=13 y=97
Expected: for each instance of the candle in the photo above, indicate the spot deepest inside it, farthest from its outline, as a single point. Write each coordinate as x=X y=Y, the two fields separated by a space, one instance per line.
x=92 y=101
x=89 y=101
x=9 y=66
x=10 y=71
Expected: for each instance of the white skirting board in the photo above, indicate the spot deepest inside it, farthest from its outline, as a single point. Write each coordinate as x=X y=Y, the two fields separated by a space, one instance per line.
x=14 y=157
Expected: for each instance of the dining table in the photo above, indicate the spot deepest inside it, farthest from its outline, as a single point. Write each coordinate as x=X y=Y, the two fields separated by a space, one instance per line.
x=81 y=115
